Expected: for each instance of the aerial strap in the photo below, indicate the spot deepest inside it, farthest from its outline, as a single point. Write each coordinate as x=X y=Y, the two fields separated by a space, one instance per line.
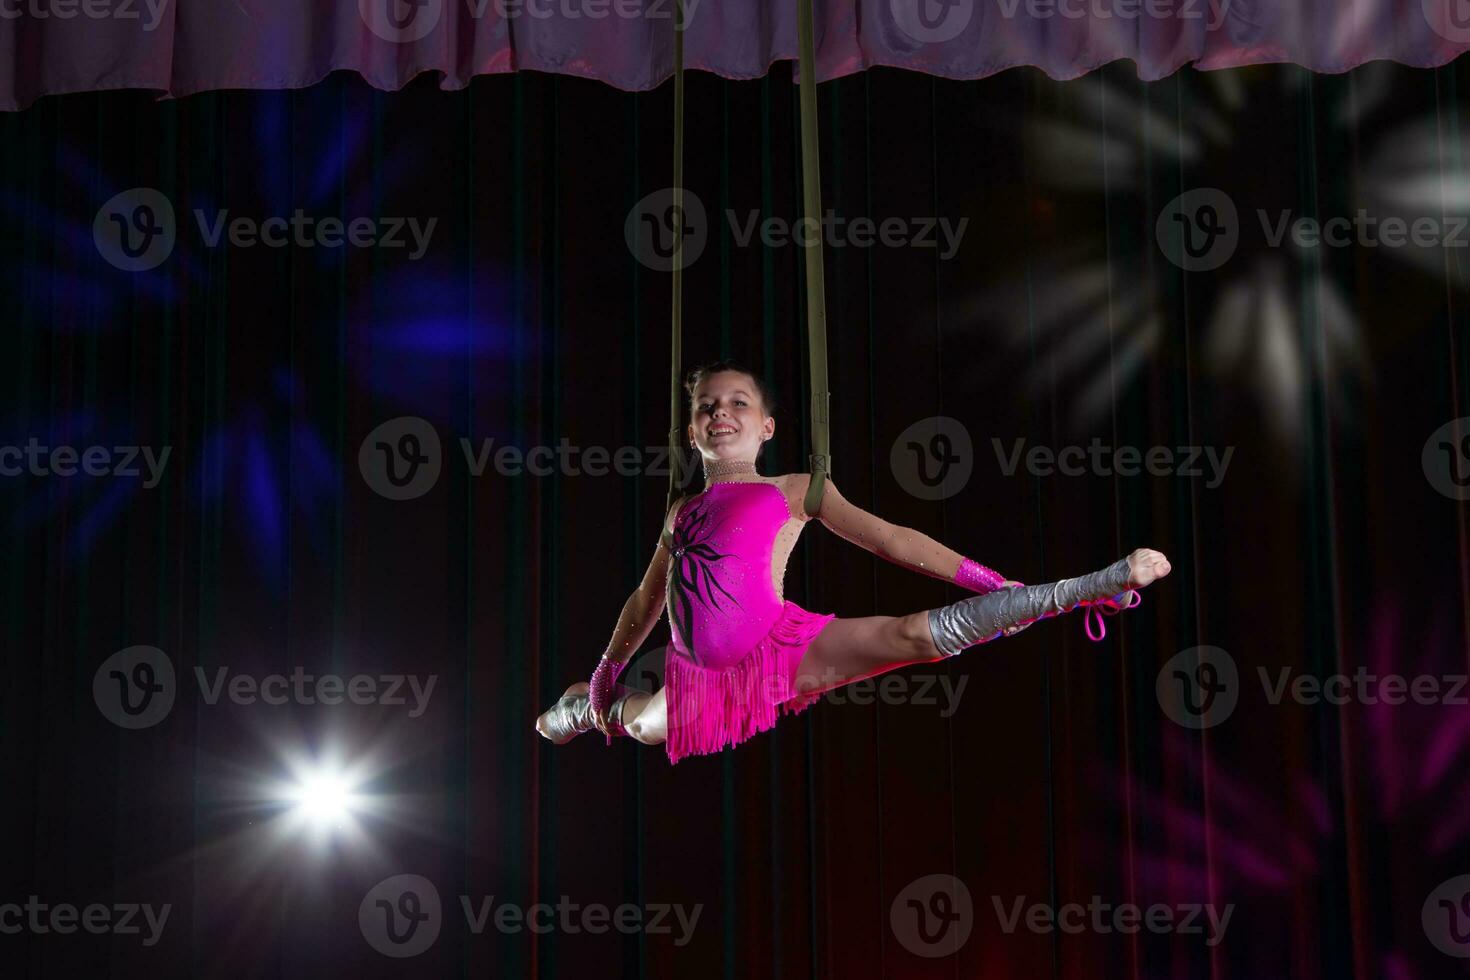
x=816 y=302
x=676 y=213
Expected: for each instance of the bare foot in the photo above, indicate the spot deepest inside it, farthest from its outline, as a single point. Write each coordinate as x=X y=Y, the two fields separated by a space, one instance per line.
x=1146 y=566
x=581 y=687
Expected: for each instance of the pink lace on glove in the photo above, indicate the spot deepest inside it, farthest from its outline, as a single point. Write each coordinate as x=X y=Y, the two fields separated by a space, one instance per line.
x=601 y=686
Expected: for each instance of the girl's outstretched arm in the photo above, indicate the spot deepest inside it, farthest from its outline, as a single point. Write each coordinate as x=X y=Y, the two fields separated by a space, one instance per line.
x=902 y=545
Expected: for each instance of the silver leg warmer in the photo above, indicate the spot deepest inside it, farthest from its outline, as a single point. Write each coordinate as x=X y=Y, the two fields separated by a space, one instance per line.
x=572 y=715
x=984 y=617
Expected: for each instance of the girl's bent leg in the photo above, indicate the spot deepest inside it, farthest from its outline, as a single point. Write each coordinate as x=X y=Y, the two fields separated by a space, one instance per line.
x=648 y=720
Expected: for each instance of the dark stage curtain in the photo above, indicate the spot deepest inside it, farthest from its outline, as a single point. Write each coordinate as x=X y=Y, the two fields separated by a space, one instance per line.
x=180 y=48
x=1306 y=489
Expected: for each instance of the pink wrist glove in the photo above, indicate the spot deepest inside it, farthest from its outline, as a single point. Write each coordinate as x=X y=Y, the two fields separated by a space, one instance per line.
x=977 y=578
x=601 y=686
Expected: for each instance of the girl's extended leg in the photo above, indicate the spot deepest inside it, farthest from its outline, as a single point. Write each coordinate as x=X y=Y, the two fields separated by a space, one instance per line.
x=851 y=649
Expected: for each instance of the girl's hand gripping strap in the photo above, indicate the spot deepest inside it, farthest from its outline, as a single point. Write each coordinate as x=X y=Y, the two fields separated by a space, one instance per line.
x=978 y=578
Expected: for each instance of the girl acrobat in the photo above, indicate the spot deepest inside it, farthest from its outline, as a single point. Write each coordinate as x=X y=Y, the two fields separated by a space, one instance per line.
x=740 y=653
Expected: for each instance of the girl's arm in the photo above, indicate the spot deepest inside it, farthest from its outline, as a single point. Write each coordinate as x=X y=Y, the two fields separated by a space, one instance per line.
x=903 y=546
x=640 y=613
x=642 y=610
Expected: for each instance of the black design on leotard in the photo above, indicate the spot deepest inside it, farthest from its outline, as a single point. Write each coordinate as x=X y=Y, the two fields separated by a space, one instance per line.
x=692 y=574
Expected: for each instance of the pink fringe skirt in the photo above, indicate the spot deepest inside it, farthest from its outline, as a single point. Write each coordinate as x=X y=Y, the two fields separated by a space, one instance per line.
x=709 y=709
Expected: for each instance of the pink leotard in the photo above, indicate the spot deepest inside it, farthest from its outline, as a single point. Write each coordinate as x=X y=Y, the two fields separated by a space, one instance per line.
x=736 y=642
x=721 y=599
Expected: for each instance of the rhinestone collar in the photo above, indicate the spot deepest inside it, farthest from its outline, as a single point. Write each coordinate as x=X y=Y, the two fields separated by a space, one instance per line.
x=725 y=470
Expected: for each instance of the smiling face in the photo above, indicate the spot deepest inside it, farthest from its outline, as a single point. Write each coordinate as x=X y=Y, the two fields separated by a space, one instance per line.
x=729 y=421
